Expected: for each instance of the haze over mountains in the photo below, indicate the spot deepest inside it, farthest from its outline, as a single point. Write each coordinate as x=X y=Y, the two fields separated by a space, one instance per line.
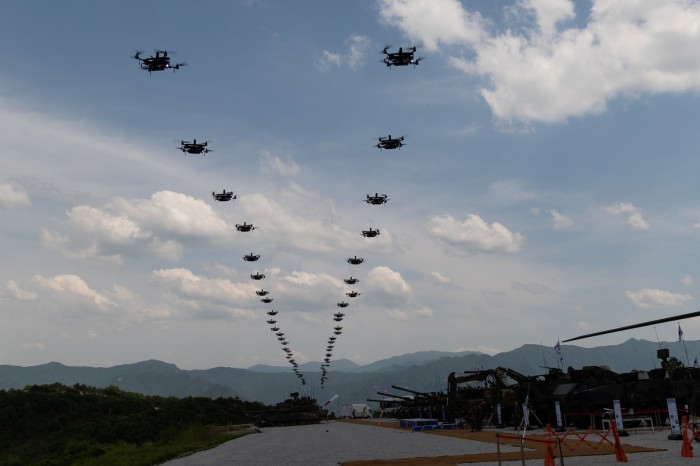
x=422 y=371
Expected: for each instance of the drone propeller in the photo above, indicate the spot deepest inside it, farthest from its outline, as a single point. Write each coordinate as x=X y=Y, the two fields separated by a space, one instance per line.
x=165 y=52
x=386 y=47
x=418 y=60
x=137 y=55
x=178 y=65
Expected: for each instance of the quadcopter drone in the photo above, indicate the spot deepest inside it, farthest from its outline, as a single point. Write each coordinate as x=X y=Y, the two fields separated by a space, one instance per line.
x=390 y=143
x=160 y=62
x=272 y=313
x=343 y=304
x=351 y=281
x=377 y=199
x=245 y=227
x=194 y=147
x=370 y=233
x=400 y=58
x=355 y=261
x=267 y=300
x=251 y=257
x=257 y=276
x=353 y=294
x=223 y=196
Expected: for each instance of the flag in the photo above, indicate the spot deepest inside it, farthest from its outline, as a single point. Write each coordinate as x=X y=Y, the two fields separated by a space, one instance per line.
x=330 y=401
x=557 y=347
x=695 y=363
x=680 y=332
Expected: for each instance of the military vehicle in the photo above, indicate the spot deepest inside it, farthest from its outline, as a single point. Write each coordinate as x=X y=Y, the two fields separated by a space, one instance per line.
x=293 y=411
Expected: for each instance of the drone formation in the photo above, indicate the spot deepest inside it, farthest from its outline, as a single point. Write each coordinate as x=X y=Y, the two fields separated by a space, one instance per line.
x=161 y=62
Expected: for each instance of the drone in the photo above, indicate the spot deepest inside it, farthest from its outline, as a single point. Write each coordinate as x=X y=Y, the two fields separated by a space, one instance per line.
x=251 y=257
x=338 y=319
x=272 y=322
x=370 y=233
x=400 y=58
x=329 y=355
x=267 y=300
x=223 y=196
x=328 y=360
x=160 y=62
x=351 y=281
x=194 y=147
x=245 y=227
x=262 y=292
x=342 y=304
x=257 y=276
x=355 y=261
x=353 y=294
x=280 y=334
x=272 y=313
x=389 y=143
x=275 y=329
x=377 y=199
x=331 y=339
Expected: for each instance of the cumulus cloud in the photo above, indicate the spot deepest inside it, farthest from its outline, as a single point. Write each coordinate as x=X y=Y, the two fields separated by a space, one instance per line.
x=205 y=297
x=475 y=235
x=357 y=47
x=33 y=345
x=549 y=67
x=270 y=163
x=11 y=198
x=440 y=278
x=19 y=294
x=154 y=226
x=653 y=298
x=583 y=325
x=73 y=286
x=633 y=214
x=687 y=280
x=560 y=221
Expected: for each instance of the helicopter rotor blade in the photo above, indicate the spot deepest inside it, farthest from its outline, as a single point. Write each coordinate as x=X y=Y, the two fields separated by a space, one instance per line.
x=630 y=327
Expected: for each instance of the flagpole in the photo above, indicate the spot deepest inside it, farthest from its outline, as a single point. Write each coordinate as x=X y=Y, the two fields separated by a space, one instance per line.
x=680 y=337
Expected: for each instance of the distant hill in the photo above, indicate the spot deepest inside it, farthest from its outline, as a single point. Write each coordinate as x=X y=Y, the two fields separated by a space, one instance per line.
x=422 y=371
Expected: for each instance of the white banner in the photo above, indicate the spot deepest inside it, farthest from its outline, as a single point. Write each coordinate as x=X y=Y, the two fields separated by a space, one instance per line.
x=618 y=414
x=526 y=416
x=558 y=410
x=498 y=414
x=673 y=416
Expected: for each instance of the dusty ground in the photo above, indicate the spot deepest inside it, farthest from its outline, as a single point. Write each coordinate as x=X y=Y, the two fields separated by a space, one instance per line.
x=571 y=447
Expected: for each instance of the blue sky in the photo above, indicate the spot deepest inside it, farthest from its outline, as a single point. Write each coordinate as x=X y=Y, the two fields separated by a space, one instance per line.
x=548 y=186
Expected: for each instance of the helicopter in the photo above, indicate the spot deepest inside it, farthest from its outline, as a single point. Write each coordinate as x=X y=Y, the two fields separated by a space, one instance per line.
x=160 y=62
x=377 y=199
x=223 y=196
x=355 y=260
x=251 y=257
x=370 y=233
x=351 y=281
x=245 y=227
x=272 y=313
x=343 y=304
x=400 y=58
x=257 y=276
x=353 y=294
x=194 y=147
x=262 y=293
x=389 y=143
x=266 y=300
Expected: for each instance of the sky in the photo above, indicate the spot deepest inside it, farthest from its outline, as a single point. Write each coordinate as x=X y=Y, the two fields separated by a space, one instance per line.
x=548 y=186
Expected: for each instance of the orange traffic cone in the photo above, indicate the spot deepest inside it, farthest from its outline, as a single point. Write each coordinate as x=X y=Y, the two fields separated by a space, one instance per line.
x=619 y=452
x=686 y=449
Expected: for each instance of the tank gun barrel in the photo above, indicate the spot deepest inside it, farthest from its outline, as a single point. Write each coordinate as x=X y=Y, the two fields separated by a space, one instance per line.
x=410 y=391
x=405 y=398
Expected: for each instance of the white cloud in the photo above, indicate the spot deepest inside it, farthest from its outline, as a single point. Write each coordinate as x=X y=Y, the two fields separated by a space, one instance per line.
x=546 y=70
x=560 y=221
x=583 y=325
x=475 y=235
x=653 y=298
x=74 y=286
x=480 y=349
x=357 y=47
x=11 y=198
x=687 y=280
x=440 y=278
x=387 y=280
x=205 y=297
x=19 y=294
x=274 y=164
x=35 y=345
x=634 y=215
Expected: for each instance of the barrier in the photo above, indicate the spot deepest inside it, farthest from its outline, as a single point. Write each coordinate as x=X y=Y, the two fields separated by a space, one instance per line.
x=582 y=438
x=686 y=448
x=549 y=455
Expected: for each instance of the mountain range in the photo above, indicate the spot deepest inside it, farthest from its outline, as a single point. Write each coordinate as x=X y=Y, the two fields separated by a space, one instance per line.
x=421 y=371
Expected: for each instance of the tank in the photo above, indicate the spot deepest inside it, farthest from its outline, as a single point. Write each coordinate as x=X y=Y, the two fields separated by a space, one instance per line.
x=293 y=411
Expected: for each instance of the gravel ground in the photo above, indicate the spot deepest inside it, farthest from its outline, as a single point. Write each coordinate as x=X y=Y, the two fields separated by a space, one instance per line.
x=327 y=444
